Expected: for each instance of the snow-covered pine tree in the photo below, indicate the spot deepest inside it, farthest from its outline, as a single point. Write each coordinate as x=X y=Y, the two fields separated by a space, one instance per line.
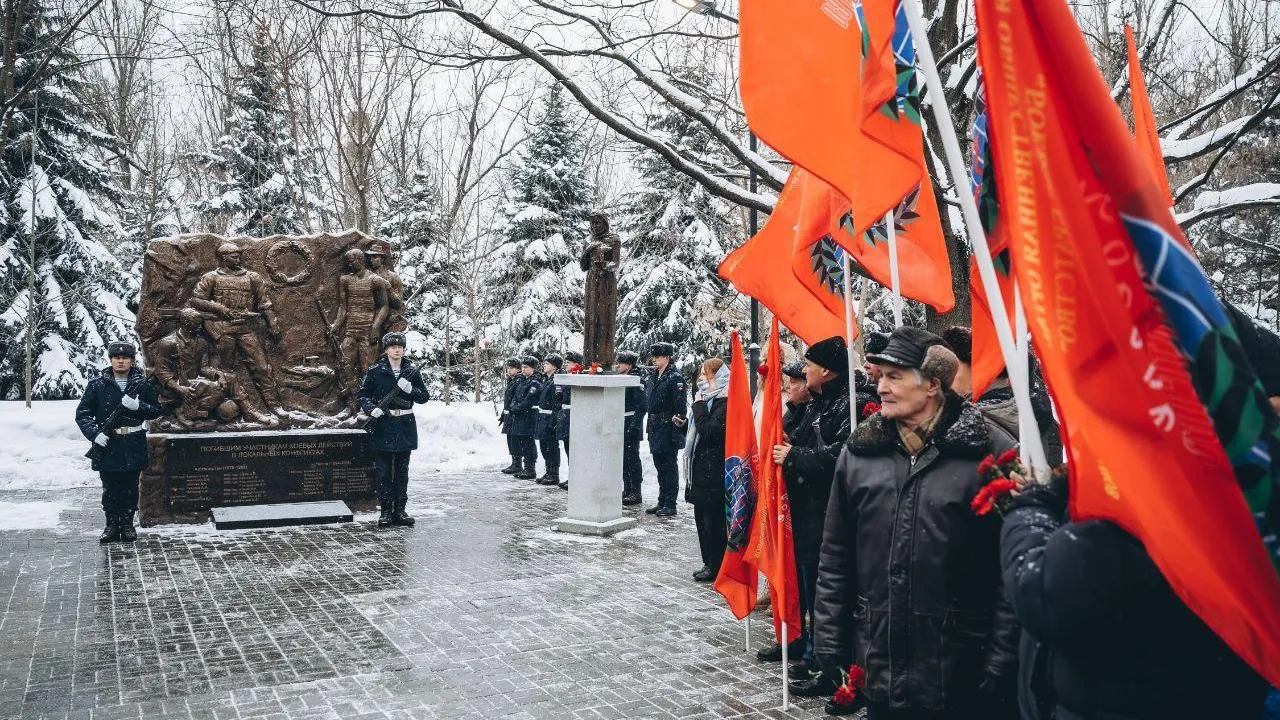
x=542 y=234
x=254 y=163
x=674 y=234
x=432 y=280
x=52 y=229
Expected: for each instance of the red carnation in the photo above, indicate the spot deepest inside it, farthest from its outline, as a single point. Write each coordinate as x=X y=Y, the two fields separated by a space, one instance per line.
x=989 y=497
x=870 y=409
x=844 y=696
x=1007 y=457
x=986 y=466
x=763 y=369
x=857 y=677
x=982 y=503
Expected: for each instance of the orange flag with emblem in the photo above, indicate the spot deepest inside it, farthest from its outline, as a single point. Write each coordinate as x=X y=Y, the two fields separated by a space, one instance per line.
x=810 y=303
x=738 y=574
x=1167 y=427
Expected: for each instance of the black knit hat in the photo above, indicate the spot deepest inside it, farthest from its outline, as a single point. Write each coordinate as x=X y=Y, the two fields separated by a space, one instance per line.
x=393 y=338
x=573 y=356
x=794 y=370
x=831 y=354
x=960 y=339
x=627 y=357
x=530 y=361
x=121 y=348
x=662 y=349
x=554 y=360
x=875 y=342
x=512 y=362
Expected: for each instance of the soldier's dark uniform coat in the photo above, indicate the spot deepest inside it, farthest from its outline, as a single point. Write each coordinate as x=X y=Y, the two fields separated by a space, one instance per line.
x=544 y=424
x=562 y=415
x=101 y=396
x=667 y=398
x=636 y=403
x=524 y=402
x=392 y=434
x=506 y=403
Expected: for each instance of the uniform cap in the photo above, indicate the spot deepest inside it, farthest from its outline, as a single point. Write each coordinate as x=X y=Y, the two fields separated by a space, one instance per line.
x=627 y=357
x=530 y=361
x=121 y=348
x=662 y=349
x=512 y=362
x=573 y=356
x=554 y=360
x=393 y=338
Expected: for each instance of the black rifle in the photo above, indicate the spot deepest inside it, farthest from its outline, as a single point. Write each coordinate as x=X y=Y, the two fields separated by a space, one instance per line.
x=108 y=426
x=384 y=404
x=339 y=362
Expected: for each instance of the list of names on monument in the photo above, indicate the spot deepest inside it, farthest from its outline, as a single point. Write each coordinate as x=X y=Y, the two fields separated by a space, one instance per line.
x=203 y=472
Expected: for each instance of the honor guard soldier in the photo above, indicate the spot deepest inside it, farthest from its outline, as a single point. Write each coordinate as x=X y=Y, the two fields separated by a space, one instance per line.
x=566 y=393
x=513 y=445
x=544 y=426
x=668 y=403
x=628 y=363
x=387 y=394
x=524 y=412
x=111 y=415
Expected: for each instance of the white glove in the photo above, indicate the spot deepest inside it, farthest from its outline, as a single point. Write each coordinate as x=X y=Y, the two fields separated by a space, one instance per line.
x=405 y=386
x=130 y=402
x=376 y=413
x=101 y=440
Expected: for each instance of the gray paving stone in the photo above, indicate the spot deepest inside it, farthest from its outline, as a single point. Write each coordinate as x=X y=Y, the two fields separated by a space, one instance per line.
x=479 y=611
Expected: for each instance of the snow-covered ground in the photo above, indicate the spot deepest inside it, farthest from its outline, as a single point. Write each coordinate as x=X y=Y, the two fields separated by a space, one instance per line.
x=44 y=450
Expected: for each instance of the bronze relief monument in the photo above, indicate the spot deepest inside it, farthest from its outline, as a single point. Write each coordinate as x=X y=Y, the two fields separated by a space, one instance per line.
x=256 y=346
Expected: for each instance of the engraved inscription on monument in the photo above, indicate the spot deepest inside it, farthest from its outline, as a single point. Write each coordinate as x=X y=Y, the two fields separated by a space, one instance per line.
x=205 y=471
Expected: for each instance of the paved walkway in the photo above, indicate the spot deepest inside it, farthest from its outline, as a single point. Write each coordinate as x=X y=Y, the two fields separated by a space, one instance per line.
x=480 y=611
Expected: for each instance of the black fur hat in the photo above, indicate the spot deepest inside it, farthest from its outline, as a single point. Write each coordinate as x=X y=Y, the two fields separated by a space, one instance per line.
x=831 y=354
x=554 y=360
x=627 y=357
x=121 y=348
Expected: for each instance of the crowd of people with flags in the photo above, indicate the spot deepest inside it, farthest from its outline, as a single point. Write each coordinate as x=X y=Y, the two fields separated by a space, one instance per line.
x=974 y=562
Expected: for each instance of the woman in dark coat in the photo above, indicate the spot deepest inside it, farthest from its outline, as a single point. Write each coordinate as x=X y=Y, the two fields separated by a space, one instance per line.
x=704 y=466
x=1105 y=637
x=395 y=432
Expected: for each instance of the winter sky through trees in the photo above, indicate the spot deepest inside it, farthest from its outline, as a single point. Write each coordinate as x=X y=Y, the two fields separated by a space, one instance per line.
x=477 y=136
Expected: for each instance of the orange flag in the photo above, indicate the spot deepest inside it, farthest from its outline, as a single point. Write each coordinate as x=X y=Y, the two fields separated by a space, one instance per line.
x=738 y=574
x=816 y=88
x=1144 y=120
x=772 y=546
x=1090 y=231
x=810 y=302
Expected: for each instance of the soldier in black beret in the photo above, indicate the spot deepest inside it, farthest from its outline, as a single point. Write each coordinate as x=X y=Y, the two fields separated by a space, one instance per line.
x=668 y=403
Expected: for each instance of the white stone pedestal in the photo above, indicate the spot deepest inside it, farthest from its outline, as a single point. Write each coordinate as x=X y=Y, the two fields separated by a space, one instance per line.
x=595 y=446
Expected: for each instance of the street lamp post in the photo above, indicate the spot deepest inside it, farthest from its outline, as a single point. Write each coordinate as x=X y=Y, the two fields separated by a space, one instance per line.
x=705 y=7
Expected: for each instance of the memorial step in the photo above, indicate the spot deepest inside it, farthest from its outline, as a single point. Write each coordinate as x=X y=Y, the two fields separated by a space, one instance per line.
x=281 y=514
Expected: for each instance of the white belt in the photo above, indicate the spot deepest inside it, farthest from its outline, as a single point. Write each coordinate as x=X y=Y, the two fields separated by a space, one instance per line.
x=400 y=413
x=564 y=407
x=129 y=430
x=629 y=413
x=543 y=412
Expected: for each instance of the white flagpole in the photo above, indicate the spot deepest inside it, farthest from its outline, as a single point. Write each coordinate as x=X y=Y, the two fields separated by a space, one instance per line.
x=746 y=644
x=848 y=338
x=891 y=231
x=973 y=224
x=786 y=671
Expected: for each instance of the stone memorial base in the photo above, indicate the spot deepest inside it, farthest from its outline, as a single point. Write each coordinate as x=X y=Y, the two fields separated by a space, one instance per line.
x=188 y=475
x=595 y=470
x=239 y=517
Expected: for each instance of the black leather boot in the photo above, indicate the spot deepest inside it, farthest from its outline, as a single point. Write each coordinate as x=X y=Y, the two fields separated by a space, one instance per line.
x=513 y=468
x=400 y=517
x=384 y=519
x=127 y=531
x=551 y=478
x=111 y=532
x=530 y=470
